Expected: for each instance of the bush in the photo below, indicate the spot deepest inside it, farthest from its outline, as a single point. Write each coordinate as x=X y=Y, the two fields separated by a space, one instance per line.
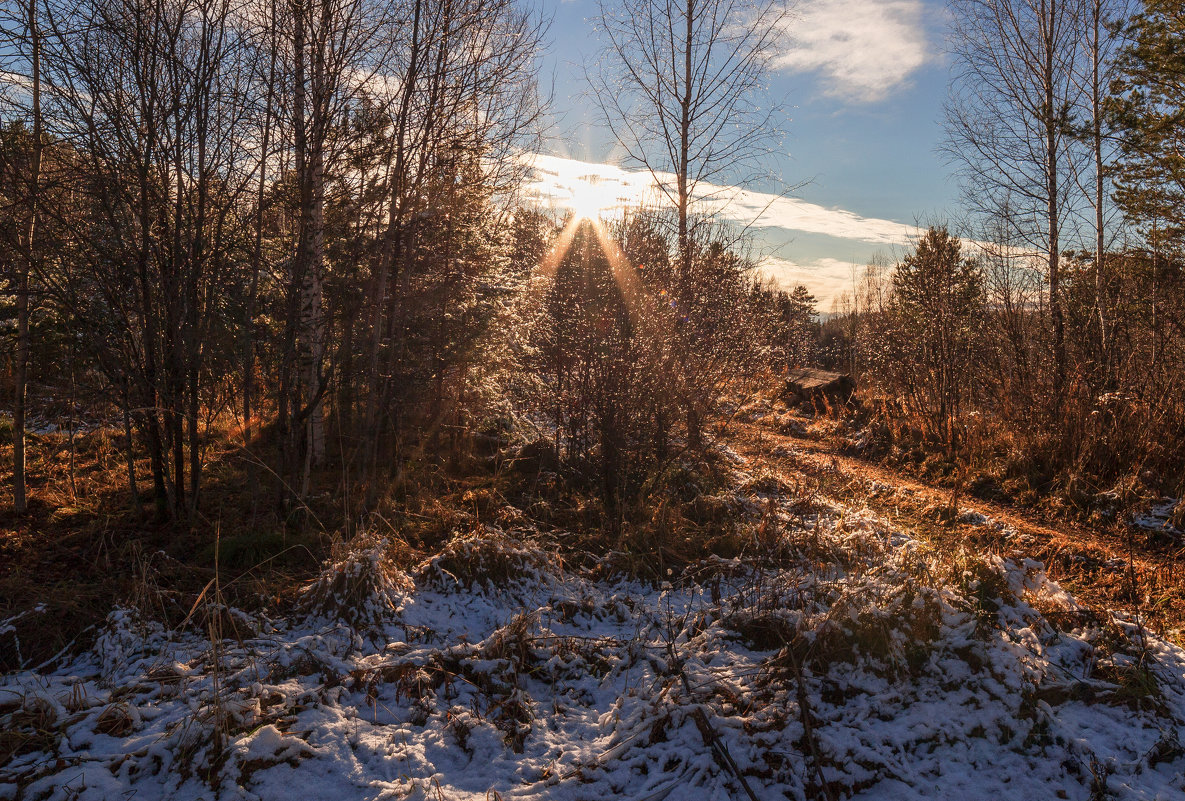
x=361 y=589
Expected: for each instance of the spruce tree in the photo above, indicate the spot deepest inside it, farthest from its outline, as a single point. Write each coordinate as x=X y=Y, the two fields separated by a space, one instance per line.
x=1149 y=105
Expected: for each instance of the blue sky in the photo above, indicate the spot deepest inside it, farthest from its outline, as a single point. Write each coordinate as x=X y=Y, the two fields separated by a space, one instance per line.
x=862 y=82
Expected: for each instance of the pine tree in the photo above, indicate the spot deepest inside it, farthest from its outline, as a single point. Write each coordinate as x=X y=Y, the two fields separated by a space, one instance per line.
x=799 y=313
x=938 y=302
x=1149 y=104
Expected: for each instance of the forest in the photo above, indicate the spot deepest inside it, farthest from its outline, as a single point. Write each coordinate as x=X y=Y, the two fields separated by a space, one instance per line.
x=335 y=459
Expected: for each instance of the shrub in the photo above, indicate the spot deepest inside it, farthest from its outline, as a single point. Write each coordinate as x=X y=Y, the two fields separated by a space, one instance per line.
x=361 y=589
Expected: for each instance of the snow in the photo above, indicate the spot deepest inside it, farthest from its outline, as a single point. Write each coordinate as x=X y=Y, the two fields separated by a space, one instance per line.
x=846 y=652
x=1158 y=518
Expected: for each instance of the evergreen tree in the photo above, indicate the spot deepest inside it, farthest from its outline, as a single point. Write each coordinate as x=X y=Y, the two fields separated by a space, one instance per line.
x=799 y=313
x=938 y=301
x=1149 y=104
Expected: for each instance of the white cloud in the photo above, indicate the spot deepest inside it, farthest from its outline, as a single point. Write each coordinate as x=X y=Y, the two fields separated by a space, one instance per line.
x=863 y=49
x=596 y=188
x=763 y=210
x=566 y=183
x=577 y=185
x=826 y=278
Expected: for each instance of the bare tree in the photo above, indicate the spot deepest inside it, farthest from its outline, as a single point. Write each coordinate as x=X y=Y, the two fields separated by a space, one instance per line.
x=29 y=252
x=465 y=96
x=153 y=97
x=680 y=87
x=1009 y=124
x=1101 y=41
x=268 y=34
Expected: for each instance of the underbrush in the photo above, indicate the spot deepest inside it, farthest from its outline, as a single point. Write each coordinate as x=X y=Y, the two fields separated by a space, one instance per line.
x=486 y=627
x=816 y=653
x=74 y=557
x=490 y=559
x=361 y=587
x=1100 y=463
x=86 y=545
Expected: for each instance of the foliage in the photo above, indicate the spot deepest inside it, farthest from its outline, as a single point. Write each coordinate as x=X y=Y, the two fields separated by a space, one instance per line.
x=620 y=352
x=1118 y=433
x=931 y=331
x=1149 y=103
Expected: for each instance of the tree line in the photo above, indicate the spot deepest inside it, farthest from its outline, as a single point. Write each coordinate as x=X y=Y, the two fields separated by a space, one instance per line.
x=235 y=209
x=297 y=228
x=1050 y=344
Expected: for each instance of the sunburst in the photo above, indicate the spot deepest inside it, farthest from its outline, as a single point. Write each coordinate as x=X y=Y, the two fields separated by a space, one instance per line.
x=593 y=198
x=588 y=190
x=595 y=194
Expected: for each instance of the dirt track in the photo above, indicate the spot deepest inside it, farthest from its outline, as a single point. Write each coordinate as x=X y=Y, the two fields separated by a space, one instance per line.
x=1093 y=563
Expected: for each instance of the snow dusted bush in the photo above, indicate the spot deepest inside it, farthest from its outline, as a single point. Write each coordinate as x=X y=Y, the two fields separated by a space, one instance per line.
x=127 y=638
x=362 y=589
x=489 y=559
x=841 y=658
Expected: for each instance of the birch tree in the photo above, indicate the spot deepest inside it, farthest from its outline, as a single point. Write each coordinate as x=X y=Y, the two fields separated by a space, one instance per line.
x=1009 y=125
x=1101 y=41
x=337 y=50
x=681 y=88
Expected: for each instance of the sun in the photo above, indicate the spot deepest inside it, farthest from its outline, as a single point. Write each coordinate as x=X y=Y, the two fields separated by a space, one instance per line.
x=588 y=190
x=591 y=197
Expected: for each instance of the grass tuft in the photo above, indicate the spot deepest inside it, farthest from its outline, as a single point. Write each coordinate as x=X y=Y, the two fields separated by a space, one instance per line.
x=362 y=588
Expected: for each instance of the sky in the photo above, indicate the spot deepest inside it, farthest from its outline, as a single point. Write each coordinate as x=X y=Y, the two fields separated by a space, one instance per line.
x=862 y=82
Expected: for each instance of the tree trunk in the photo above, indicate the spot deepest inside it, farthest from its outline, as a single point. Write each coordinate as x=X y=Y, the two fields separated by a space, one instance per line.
x=1097 y=97
x=150 y=418
x=257 y=260
x=694 y=438
x=20 y=503
x=1052 y=211
x=311 y=128
x=129 y=450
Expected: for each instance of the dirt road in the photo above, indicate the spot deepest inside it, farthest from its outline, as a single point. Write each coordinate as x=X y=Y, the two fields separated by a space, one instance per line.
x=1113 y=568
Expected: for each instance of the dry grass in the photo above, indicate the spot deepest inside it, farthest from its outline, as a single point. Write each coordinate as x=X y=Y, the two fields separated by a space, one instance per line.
x=84 y=546
x=1096 y=460
x=31 y=725
x=362 y=587
x=1103 y=561
x=489 y=559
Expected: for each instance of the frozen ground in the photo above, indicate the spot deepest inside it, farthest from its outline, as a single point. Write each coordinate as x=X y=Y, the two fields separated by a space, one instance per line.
x=1158 y=518
x=841 y=658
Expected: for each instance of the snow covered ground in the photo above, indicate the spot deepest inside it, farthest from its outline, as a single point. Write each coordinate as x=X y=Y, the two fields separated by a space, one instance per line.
x=1158 y=519
x=839 y=659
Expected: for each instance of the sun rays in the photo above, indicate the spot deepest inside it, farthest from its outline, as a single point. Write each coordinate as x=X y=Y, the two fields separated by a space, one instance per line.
x=594 y=194
x=625 y=273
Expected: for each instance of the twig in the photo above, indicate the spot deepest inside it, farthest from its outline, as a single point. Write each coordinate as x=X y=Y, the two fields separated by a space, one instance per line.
x=62 y=652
